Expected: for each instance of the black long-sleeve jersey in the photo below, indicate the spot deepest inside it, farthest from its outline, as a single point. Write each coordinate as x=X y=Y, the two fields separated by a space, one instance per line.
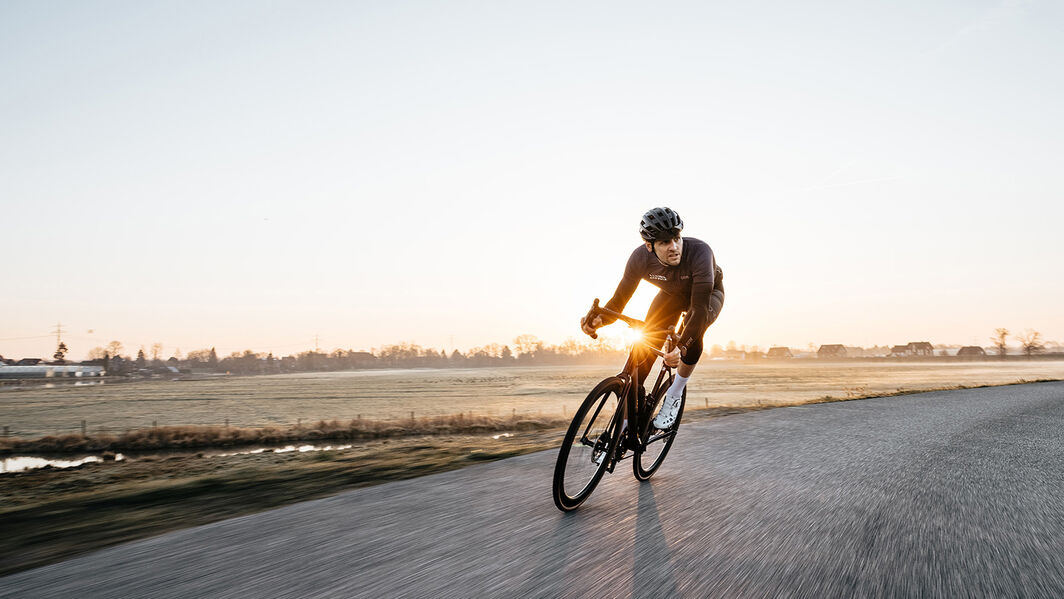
x=693 y=281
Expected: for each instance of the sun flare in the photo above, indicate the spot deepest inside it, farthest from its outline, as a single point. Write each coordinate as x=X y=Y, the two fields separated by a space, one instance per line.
x=631 y=336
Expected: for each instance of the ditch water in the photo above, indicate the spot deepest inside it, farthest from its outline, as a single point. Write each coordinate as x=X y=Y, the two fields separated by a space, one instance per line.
x=22 y=463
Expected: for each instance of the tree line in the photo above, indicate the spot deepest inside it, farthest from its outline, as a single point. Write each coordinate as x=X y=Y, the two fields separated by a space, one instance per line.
x=526 y=350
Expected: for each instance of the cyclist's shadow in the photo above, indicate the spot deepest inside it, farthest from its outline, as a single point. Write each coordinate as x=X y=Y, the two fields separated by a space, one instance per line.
x=576 y=537
x=652 y=574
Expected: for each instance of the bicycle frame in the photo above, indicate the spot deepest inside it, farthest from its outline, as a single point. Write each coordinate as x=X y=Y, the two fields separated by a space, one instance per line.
x=632 y=410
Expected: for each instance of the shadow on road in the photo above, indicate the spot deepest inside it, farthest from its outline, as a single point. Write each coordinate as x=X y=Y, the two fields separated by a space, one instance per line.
x=652 y=567
x=593 y=552
x=573 y=534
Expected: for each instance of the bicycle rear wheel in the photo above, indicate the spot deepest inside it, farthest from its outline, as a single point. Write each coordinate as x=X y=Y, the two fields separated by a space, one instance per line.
x=588 y=445
x=647 y=461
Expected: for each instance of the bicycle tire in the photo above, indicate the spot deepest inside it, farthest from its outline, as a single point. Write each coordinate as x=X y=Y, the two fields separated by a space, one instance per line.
x=590 y=433
x=656 y=455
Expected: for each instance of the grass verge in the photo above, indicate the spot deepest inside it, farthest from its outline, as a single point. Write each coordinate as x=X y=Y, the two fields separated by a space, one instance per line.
x=196 y=437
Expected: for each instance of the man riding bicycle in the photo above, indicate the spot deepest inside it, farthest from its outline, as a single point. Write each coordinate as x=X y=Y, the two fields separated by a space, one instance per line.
x=685 y=271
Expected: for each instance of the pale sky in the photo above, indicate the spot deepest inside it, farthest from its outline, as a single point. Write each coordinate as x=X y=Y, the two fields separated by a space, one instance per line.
x=249 y=174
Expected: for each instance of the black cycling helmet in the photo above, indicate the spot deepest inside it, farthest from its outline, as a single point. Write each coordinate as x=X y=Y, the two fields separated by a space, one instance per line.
x=660 y=224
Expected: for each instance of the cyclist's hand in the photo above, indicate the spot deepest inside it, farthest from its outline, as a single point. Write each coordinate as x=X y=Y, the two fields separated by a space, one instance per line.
x=589 y=328
x=672 y=356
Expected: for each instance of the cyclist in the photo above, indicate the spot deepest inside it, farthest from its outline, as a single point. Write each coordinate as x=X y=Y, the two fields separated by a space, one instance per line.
x=685 y=271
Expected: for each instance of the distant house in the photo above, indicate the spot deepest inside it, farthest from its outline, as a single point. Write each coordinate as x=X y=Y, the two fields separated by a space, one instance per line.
x=779 y=353
x=921 y=348
x=28 y=362
x=362 y=359
x=913 y=348
x=734 y=354
x=836 y=350
x=971 y=351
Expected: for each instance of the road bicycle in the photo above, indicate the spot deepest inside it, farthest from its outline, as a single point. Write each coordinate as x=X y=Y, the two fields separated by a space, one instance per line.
x=615 y=423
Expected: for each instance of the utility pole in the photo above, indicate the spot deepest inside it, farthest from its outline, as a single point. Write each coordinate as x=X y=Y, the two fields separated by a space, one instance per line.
x=317 y=349
x=58 y=333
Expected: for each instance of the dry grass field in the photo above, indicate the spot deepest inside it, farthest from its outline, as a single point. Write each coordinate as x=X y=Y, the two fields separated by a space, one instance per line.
x=540 y=393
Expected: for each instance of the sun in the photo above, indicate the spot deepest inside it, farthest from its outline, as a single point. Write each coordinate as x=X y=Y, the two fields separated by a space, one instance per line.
x=631 y=336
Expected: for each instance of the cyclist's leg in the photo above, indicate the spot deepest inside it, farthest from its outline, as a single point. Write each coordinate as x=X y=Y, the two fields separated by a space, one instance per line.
x=662 y=314
x=698 y=326
x=696 y=329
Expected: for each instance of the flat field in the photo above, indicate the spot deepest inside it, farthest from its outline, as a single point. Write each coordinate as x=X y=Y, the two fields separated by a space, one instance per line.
x=394 y=394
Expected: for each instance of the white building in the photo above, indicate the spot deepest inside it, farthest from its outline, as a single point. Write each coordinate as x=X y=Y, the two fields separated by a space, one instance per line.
x=47 y=371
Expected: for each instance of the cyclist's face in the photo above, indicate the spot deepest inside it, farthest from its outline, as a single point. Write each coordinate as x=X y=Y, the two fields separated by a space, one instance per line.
x=669 y=252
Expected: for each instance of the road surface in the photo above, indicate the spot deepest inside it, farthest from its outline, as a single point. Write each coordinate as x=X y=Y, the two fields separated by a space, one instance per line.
x=954 y=493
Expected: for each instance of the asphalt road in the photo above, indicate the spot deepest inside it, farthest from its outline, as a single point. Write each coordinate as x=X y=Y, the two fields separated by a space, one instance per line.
x=941 y=494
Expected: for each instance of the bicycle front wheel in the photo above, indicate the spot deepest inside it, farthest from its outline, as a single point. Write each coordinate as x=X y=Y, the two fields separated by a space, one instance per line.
x=588 y=445
x=646 y=462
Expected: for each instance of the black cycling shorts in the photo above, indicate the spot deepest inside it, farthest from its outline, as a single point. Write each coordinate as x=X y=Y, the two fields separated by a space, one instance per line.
x=663 y=313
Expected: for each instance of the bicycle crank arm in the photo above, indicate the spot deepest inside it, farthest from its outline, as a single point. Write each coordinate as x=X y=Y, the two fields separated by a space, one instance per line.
x=660 y=436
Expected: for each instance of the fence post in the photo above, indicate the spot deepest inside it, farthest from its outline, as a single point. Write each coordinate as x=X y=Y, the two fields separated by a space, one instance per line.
x=155 y=424
x=226 y=424
x=513 y=415
x=6 y=431
x=82 y=428
x=707 y=402
x=299 y=423
x=411 y=415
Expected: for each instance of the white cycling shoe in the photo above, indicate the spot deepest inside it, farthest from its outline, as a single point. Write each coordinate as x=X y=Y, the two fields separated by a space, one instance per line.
x=670 y=408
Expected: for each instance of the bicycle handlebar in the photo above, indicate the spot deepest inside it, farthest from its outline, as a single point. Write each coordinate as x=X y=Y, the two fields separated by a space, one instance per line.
x=632 y=322
x=591 y=314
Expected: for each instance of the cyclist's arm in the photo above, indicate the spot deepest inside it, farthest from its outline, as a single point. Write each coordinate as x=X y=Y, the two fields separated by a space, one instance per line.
x=627 y=286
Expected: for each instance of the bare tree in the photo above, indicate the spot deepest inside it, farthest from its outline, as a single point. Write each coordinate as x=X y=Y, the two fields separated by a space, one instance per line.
x=114 y=349
x=97 y=353
x=1031 y=342
x=156 y=352
x=527 y=344
x=1000 y=341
